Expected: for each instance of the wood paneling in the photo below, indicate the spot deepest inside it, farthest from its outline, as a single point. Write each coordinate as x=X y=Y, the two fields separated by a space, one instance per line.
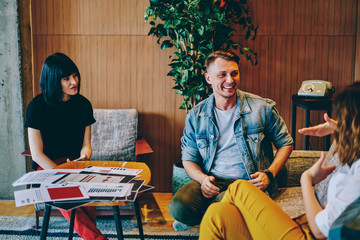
x=305 y=17
x=89 y=17
x=122 y=67
x=357 y=56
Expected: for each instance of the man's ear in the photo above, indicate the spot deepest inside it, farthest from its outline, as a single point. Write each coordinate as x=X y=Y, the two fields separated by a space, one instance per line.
x=207 y=78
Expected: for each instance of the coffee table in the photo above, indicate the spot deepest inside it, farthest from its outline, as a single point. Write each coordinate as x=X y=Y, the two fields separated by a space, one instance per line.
x=145 y=175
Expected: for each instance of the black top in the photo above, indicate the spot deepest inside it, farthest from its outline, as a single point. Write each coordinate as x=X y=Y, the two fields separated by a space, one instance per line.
x=62 y=127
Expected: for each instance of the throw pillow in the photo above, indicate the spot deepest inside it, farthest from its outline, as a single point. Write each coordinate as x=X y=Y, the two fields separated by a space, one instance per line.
x=321 y=188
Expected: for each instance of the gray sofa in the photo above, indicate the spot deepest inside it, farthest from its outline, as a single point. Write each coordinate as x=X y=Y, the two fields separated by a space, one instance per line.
x=290 y=196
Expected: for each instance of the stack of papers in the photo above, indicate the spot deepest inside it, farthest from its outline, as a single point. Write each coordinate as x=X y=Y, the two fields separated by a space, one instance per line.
x=94 y=184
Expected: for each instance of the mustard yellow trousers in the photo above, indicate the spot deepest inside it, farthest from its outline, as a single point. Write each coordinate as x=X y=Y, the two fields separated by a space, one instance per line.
x=246 y=212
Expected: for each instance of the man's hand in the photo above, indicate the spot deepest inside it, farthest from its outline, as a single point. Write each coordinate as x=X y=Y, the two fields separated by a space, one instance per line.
x=260 y=179
x=322 y=129
x=316 y=172
x=208 y=189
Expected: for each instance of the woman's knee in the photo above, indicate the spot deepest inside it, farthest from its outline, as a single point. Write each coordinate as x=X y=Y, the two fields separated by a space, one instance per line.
x=220 y=211
x=238 y=188
x=223 y=221
x=241 y=184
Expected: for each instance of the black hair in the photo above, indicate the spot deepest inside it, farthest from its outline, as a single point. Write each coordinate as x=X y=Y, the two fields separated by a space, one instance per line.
x=227 y=55
x=56 y=66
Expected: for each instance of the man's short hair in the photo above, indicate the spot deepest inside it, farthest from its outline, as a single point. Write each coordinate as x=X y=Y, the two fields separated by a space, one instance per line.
x=226 y=55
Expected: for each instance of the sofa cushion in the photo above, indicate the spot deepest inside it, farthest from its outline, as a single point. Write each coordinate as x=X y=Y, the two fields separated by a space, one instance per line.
x=291 y=201
x=321 y=188
x=298 y=162
x=113 y=136
x=347 y=225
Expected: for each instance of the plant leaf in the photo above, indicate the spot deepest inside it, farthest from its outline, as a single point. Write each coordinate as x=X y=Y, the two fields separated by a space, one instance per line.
x=166 y=44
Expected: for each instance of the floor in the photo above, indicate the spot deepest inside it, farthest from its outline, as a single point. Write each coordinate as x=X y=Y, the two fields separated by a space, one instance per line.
x=153 y=207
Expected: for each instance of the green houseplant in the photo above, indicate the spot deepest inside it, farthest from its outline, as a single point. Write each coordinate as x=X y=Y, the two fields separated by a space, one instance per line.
x=195 y=28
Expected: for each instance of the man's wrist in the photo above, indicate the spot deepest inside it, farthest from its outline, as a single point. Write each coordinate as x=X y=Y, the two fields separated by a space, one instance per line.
x=202 y=179
x=269 y=174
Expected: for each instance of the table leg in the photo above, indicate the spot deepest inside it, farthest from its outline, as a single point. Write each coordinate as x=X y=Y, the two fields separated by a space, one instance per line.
x=307 y=124
x=293 y=123
x=45 y=224
x=138 y=218
x=72 y=220
x=117 y=218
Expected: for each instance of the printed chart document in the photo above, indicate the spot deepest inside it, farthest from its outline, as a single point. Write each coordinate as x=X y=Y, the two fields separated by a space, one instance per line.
x=43 y=176
x=108 y=190
x=51 y=194
x=89 y=178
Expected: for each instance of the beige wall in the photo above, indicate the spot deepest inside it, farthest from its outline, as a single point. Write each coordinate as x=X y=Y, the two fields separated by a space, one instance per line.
x=121 y=67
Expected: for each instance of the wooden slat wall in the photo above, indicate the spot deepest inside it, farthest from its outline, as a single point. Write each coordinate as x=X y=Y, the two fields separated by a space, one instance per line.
x=121 y=67
x=357 y=56
x=297 y=41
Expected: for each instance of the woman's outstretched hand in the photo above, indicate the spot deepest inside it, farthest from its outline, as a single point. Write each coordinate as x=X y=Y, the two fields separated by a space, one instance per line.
x=320 y=130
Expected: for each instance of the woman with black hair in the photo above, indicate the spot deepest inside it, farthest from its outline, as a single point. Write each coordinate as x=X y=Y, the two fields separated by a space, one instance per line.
x=59 y=128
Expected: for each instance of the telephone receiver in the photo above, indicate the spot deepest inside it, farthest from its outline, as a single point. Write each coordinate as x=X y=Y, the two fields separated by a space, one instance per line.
x=316 y=88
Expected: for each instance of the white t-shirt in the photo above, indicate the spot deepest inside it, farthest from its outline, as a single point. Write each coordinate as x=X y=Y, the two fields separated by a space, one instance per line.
x=344 y=188
x=227 y=160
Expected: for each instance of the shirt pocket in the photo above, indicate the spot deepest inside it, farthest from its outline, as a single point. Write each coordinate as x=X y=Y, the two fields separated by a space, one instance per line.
x=203 y=146
x=254 y=139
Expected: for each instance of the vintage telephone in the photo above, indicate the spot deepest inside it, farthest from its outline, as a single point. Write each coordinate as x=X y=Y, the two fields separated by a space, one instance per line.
x=316 y=88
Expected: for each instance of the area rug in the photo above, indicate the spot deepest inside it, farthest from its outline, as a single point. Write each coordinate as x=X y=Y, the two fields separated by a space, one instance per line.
x=18 y=228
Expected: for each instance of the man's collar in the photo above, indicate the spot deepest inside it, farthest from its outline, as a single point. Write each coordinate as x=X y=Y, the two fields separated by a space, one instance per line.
x=242 y=104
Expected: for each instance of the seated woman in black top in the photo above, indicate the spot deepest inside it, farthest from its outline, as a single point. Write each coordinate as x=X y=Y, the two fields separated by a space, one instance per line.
x=59 y=128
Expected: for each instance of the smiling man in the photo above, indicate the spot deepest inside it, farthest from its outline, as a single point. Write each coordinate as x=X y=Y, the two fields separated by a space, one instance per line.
x=228 y=136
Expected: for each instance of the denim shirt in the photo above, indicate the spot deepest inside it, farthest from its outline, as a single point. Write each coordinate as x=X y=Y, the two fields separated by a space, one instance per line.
x=257 y=126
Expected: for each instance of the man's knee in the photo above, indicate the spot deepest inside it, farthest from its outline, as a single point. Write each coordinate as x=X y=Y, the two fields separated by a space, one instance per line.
x=186 y=205
x=178 y=209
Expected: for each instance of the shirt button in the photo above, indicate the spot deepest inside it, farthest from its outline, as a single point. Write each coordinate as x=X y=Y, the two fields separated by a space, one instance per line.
x=211 y=136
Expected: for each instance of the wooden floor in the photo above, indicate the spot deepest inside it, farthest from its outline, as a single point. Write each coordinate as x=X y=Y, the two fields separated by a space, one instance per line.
x=154 y=206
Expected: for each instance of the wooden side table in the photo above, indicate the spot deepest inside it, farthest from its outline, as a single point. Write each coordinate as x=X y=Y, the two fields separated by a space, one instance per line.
x=320 y=103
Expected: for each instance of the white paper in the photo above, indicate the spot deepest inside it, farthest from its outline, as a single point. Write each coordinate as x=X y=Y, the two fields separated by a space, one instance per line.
x=114 y=170
x=43 y=176
x=108 y=190
x=89 y=178
x=40 y=195
x=144 y=188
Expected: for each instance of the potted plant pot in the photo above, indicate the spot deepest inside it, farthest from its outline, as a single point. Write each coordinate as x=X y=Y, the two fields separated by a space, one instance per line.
x=180 y=177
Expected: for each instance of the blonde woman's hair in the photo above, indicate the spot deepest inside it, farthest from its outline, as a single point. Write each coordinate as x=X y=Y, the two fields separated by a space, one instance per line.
x=347 y=135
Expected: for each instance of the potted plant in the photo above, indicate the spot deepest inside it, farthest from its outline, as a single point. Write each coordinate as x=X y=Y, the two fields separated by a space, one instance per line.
x=195 y=28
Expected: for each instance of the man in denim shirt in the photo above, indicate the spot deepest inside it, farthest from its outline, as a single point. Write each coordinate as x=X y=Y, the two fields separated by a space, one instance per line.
x=228 y=136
